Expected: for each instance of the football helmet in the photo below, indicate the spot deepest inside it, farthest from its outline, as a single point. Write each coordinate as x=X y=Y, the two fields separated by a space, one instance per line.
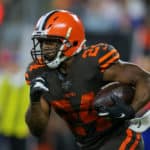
x=60 y=26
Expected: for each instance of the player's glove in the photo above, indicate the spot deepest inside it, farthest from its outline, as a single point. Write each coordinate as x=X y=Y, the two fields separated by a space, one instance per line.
x=38 y=87
x=117 y=111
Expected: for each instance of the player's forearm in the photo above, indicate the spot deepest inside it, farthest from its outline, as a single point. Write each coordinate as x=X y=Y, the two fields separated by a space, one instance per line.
x=142 y=95
x=37 y=115
x=129 y=73
x=36 y=119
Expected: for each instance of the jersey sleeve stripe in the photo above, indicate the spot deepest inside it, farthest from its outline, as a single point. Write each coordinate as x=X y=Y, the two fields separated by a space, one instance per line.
x=34 y=67
x=136 y=142
x=107 y=55
x=27 y=78
x=26 y=75
x=110 y=61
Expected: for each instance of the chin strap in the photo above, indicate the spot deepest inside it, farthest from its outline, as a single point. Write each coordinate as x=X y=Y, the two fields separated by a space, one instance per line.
x=59 y=58
x=57 y=61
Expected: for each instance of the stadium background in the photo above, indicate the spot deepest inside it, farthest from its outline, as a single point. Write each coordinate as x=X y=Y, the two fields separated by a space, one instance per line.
x=122 y=23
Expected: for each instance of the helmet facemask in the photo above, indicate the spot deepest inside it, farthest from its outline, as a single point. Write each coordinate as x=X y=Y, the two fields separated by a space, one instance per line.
x=50 y=51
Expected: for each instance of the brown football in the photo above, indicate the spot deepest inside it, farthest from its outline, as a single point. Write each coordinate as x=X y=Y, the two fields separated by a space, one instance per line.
x=124 y=92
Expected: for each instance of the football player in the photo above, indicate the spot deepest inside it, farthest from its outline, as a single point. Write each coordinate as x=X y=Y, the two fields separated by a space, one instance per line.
x=66 y=74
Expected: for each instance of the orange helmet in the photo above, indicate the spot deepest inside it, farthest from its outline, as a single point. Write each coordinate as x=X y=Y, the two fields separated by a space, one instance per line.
x=62 y=25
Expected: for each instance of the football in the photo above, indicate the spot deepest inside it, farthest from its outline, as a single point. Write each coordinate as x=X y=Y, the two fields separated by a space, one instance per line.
x=124 y=92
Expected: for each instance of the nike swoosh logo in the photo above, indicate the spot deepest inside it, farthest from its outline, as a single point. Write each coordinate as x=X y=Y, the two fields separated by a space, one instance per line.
x=122 y=115
x=139 y=124
x=103 y=114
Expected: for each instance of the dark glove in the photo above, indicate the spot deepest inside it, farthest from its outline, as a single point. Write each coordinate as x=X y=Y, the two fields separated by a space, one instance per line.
x=38 y=87
x=117 y=111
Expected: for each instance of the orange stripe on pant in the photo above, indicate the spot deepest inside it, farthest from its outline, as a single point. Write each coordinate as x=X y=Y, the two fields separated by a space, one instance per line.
x=136 y=142
x=127 y=140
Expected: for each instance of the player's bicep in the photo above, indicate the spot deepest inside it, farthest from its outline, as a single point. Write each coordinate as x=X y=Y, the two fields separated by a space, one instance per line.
x=124 y=72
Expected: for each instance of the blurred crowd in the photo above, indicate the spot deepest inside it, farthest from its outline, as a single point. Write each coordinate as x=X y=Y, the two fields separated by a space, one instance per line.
x=122 y=23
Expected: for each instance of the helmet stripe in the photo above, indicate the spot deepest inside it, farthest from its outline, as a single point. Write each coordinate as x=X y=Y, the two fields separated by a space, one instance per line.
x=42 y=21
x=46 y=17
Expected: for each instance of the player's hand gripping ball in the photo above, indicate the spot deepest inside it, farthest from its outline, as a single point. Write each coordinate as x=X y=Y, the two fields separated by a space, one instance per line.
x=114 y=99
